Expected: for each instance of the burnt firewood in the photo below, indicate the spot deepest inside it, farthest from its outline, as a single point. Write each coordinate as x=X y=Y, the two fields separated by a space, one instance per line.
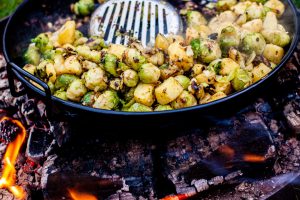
x=223 y=155
x=40 y=143
x=128 y=160
x=99 y=187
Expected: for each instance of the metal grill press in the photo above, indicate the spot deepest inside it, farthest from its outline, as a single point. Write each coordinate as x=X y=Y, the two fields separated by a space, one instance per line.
x=142 y=19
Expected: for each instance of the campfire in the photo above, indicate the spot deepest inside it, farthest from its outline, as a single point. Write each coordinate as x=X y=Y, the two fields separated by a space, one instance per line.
x=8 y=179
x=251 y=155
x=255 y=154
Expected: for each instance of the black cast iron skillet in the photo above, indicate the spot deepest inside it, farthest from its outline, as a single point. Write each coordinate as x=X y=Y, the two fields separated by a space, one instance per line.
x=31 y=18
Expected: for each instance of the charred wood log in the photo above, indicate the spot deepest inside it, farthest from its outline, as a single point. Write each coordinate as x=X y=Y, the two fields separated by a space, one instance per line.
x=196 y=162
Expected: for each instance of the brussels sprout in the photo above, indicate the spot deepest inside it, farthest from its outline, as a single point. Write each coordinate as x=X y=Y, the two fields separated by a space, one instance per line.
x=96 y=43
x=206 y=49
x=109 y=100
x=163 y=108
x=277 y=37
x=161 y=42
x=166 y=71
x=129 y=95
x=49 y=55
x=253 y=42
x=61 y=94
x=130 y=78
x=225 y=4
x=137 y=107
x=168 y=91
x=32 y=55
x=229 y=38
x=41 y=70
x=186 y=99
x=144 y=94
x=255 y=11
x=134 y=59
x=86 y=53
x=127 y=105
x=273 y=53
x=88 y=99
x=30 y=68
x=181 y=56
x=43 y=43
x=84 y=7
x=51 y=86
x=259 y=72
x=116 y=84
x=241 y=80
x=63 y=81
x=183 y=80
x=215 y=66
x=195 y=19
x=95 y=79
x=276 y=6
x=149 y=73
x=110 y=64
x=76 y=90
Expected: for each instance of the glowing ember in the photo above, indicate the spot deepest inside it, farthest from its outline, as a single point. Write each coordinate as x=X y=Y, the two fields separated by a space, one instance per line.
x=253 y=158
x=75 y=195
x=8 y=178
x=177 y=197
x=227 y=151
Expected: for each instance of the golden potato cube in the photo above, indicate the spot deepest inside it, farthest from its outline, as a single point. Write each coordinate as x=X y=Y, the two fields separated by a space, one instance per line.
x=273 y=53
x=144 y=94
x=117 y=50
x=168 y=91
x=161 y=42
x=66 y=35
x=260 y=71
x=228 y=65
x=181 y=56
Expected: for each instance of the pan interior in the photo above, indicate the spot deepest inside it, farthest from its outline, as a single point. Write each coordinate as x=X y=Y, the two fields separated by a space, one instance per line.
x=33 y=18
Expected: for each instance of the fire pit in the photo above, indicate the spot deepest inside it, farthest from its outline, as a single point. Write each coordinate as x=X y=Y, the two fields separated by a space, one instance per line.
x=254 y=154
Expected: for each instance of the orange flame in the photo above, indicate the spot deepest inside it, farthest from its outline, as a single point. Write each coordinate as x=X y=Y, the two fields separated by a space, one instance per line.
x=75 y=195
x=177 y=197
x=8 y=178
x=253 y=158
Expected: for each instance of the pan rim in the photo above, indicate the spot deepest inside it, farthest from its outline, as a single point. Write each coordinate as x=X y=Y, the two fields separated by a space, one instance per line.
x=200 y=107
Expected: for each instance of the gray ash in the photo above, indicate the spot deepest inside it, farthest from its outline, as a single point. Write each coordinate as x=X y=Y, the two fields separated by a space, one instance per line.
x=8 y=130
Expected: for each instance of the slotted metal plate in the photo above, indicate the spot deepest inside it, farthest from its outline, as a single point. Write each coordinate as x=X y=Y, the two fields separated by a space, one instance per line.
x=142 y=19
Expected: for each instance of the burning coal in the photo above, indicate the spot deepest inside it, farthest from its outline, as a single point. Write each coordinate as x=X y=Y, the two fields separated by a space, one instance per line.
x=75 y=195
x=8 y=179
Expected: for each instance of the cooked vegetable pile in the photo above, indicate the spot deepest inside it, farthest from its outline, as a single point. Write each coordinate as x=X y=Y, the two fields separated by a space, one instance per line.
x=238 y=47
